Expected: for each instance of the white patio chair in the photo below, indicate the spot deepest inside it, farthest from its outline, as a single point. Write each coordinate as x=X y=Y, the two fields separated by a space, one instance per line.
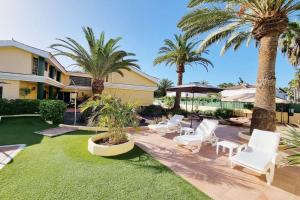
x=260 y=153
x=205 y=132
x=174 y=123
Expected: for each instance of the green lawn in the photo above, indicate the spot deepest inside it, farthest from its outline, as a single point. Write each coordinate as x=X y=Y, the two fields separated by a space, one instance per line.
x=62 y=168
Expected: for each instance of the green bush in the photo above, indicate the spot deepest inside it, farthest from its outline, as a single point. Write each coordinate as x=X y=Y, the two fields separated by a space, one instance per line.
x=18 y=106
x=209 y=113
x=224 y=113
x=169 y=101
x=152 y=111
x=52 y=110
x=178 y=111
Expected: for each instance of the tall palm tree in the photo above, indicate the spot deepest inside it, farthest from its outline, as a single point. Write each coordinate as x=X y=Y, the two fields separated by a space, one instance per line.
x=99 y=60
x=162 y=87
x=290 y=43
x=181 y=53
x=240 y=21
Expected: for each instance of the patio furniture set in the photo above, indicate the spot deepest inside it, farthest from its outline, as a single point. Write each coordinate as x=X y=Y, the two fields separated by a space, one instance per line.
x=258 y=155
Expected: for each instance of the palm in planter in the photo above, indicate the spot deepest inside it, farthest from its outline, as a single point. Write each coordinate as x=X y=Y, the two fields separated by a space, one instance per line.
x=99 y=60
x=239 y=21
x=116 y=116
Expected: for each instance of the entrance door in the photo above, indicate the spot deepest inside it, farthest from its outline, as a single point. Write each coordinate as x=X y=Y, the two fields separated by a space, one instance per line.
x=67 y=97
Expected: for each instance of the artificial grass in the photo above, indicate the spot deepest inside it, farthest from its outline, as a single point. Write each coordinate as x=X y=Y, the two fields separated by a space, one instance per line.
x=62 y=168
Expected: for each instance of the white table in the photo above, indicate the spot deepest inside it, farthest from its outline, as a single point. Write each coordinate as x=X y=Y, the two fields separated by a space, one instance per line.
x=227 y=144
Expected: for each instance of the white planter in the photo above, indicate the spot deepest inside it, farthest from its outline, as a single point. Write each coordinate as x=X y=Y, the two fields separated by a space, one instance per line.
x=108 y=150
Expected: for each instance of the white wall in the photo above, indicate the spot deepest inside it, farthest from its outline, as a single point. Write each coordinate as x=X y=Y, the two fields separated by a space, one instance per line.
x=10 y=89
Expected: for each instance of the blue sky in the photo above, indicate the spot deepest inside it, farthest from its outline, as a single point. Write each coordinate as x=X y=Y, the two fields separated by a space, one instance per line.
x=143 y=25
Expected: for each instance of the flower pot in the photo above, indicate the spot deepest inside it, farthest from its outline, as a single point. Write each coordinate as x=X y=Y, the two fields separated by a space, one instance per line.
x=106 y=149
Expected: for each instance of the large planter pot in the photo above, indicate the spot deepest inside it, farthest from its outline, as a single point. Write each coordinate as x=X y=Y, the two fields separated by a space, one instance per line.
x=108 y=150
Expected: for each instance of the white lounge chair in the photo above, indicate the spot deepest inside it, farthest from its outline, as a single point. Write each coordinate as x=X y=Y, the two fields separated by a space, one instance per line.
x=174 y=123
x=260 y=153
x=205 y=132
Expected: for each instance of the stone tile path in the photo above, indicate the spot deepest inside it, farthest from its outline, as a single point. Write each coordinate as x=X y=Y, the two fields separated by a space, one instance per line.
x=212 y=174
x=52 y=132
x=8 y=152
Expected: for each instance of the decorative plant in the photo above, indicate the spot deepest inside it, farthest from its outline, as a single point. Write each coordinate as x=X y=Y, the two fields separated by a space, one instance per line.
x=291 y=142
x=110 y=112
x=169 y=101
x=24 y=92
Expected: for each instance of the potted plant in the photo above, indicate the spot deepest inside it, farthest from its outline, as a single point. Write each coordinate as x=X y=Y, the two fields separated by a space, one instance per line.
x=116 y=117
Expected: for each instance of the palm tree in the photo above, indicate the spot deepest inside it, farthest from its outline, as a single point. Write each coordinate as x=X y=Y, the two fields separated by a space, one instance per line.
x=204 y=82
x=181 y=53
x=99 y=60
x=238 y=22
x=162 y=87
x=290 y=43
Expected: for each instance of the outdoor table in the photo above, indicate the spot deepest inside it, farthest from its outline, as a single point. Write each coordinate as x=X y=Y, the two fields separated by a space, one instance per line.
x=227 y=144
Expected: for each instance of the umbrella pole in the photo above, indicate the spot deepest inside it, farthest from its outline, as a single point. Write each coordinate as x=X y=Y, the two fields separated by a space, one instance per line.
x=192 y=111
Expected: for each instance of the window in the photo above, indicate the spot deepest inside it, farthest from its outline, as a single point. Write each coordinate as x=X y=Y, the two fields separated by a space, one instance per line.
x=1 y=92
x=80 y=81
x=35 y=64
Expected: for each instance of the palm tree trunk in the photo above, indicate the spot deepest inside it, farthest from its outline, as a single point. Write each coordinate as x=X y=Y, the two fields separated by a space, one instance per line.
x=264 y=112
x=180 y=71
x=97 y=86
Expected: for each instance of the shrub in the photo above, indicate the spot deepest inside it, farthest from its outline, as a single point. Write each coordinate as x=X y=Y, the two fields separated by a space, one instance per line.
x=52 y=110
x=209 y=113
x=169 y=101
x=178 y=111
x=152 y=111
x=224 y=113
x=18 y=106
x=291 y=142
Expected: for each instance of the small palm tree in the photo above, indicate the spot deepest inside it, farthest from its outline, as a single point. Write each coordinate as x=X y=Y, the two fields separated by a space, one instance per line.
x=162 y=87
x=181 y=53
x=238 y=22
x=290 y=43
x=99 y=60
x=291 y=142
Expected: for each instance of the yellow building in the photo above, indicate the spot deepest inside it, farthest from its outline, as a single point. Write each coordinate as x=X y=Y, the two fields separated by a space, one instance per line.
x=30 y=73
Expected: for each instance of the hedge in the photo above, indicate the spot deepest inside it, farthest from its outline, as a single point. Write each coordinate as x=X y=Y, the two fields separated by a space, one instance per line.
x=52 y=110
x=18 y=106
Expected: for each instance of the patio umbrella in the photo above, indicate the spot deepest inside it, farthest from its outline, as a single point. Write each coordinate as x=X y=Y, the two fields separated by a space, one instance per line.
x=195 y=88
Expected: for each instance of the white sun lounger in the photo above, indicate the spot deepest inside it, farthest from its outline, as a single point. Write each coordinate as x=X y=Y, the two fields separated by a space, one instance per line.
x=174 y=123
x=260 y=153
x=205 y=132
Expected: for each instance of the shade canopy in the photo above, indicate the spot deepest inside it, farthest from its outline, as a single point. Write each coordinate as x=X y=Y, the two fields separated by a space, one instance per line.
x=249 y=98
x=195 y=88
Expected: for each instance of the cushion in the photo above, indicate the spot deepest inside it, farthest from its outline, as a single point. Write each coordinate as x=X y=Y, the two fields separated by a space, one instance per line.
x=264 y=141
x=254 y=159
x=188 y=139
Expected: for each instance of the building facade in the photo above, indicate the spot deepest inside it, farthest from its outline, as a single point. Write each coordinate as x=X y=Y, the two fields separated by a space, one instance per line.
x=30 y=73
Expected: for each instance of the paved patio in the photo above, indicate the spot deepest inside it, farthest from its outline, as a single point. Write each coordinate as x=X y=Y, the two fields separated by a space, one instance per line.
x=52 y=132
x=212 y=174
x=8 y=152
